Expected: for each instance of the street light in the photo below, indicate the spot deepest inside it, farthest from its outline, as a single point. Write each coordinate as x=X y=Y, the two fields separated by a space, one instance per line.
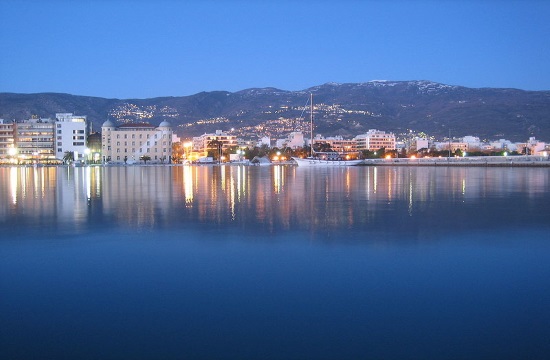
x=12 y=152
x=187 y=146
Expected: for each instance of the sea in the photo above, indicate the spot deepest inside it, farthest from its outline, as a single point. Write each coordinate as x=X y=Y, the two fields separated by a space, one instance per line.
x=274 y=262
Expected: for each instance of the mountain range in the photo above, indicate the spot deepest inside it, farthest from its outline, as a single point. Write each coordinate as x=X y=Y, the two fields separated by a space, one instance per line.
x=339 y=109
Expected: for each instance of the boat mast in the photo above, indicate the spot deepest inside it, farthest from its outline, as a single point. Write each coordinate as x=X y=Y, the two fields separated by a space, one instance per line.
x=311 y=123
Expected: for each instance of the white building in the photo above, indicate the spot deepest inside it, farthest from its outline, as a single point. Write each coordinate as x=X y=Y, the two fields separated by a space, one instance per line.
x=202 y=143
x=374 y=140
x=503 y=144
x=473 y=142
x=337 y=143
x=70 y=135
x=535 y=147
x=420 y=143
x=130 y=142
x=295 y=140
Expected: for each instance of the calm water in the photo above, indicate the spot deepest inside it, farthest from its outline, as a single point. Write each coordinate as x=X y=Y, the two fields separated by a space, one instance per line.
x=277 y=262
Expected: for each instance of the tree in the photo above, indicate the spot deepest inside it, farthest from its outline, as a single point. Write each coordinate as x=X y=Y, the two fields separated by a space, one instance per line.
x=216 y=147
x=68 y=157
x=145 y=158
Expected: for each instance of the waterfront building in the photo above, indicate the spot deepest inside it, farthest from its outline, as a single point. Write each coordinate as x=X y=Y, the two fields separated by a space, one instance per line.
x=295 y=140
x=535 y=147
x=374 y=140
x=337 y=143
x=503 y=144
x=70 y=136
x=452 y=145
x=202 y=144
x=34 y=139
x=6 y=139
x=129 y=143
x=474 y=143
x=264 y=141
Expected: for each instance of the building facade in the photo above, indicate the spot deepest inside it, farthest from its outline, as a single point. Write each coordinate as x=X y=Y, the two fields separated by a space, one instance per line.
x=336 y=143
x=374 y=140
x=34 y=139
x=6 y=139
x=130 y=143
x=201 y=144
x=70 y=135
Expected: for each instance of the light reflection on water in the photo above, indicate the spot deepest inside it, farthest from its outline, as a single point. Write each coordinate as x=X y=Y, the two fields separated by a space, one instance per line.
x=271 y=199
x=275 y=262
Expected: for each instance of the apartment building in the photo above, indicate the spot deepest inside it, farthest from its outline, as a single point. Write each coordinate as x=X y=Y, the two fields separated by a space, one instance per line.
x=128 y=143
x=336 y=143
x=34 y=139
x=6 y=138
x=70 y=135
x=202 y=144
x=374 y=140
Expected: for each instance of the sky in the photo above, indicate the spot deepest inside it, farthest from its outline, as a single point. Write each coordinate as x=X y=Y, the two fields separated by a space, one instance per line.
x=150 y=48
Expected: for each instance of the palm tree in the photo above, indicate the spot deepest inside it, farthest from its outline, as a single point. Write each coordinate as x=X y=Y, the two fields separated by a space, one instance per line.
x=216 y=145
x=68 y=157
x=145 y=158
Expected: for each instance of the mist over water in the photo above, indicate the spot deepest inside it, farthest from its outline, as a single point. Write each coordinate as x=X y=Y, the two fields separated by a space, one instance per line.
x=275 y=262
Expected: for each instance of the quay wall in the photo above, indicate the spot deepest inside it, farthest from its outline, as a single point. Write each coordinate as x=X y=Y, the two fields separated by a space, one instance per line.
x=497 y=161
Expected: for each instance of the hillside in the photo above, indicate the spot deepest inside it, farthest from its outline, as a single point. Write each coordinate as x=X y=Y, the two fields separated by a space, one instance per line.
x=344 y=109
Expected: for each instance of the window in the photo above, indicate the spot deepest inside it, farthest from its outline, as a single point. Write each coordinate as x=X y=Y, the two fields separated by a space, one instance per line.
x=59 y=131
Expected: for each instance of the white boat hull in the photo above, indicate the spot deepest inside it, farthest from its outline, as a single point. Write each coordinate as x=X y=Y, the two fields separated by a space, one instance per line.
x=308 y=162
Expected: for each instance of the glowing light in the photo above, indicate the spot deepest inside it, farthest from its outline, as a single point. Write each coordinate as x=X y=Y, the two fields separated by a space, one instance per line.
x=388 y=156
x=413 y=157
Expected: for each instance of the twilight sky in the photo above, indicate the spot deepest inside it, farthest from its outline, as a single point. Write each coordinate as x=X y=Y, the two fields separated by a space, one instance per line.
x=149 y=48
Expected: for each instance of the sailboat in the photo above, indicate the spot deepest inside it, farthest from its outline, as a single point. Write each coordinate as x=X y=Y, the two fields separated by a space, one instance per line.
x=323 y=159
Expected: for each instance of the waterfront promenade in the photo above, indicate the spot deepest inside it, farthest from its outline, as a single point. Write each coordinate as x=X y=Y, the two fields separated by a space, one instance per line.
x=517 y=161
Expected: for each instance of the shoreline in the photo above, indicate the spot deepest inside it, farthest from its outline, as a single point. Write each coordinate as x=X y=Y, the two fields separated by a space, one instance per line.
x=478 y=161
